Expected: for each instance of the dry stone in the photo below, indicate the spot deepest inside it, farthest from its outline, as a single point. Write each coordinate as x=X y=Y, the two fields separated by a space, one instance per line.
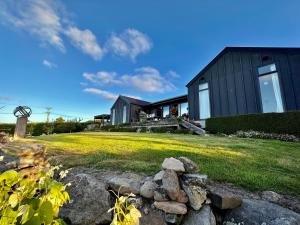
x=224 y=200
x=194 y=179
x=189 y=165
x=171 y=184
x=203 y=217
x=126 y=184
x=196 y=195
x=158 y=177
x=173 y=164
x=160 y=195
x=147 y=189
x=171 y=207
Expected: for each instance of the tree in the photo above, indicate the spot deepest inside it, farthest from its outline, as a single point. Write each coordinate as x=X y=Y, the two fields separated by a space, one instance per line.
x=59 y=120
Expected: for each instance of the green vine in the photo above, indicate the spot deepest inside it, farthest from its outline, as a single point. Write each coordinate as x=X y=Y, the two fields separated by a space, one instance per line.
x=31 y=198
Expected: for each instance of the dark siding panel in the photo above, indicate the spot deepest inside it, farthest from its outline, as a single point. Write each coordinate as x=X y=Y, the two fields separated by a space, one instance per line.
x=294 y=62
x=223 y=87
x=256 y=62
x=191 y=101
x=239 y=84
x=215 y=89
x=250 y=92
x=287 y=89
x=230 y=85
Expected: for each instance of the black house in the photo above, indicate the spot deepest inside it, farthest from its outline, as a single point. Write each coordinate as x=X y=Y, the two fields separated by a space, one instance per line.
x=245 y=80
x=127 y=109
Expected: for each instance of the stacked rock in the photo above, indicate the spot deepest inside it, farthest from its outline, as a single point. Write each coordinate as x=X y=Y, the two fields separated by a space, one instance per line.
x=180 y=193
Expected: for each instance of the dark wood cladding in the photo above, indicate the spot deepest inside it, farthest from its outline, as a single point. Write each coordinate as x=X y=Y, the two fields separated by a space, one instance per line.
x=233 y=81
x=118 y=107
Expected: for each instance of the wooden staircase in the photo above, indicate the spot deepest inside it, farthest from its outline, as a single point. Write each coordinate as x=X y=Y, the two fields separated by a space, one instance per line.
x=191 y=127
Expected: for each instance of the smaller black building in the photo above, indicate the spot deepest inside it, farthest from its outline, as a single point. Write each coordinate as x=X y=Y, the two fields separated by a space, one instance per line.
x=245 y=80
x=127 y=109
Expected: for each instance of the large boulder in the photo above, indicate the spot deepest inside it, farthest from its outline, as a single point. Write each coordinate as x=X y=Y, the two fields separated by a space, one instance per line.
x=126 y=183
x=89 y=203
x=203 y=217
x=189 y=165
x=171 y=207
x=257 y=212
x=173 y=164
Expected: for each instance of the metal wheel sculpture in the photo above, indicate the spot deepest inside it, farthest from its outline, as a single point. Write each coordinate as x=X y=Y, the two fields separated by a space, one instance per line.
x=22 y=111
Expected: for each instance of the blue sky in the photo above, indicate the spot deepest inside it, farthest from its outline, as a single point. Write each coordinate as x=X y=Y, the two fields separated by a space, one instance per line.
x=78 y=56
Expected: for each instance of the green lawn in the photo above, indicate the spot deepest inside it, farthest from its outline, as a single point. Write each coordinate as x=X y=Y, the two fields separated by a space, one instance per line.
x=251 y=163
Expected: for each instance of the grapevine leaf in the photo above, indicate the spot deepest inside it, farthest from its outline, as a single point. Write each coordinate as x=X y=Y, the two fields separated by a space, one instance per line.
x=46 y=212
x=13 y=200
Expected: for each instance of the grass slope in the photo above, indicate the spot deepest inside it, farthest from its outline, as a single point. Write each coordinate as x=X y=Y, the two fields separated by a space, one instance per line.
x=250 y=163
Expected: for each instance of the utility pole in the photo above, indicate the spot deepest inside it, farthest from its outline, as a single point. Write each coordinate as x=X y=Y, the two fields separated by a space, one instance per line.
x=48 y=114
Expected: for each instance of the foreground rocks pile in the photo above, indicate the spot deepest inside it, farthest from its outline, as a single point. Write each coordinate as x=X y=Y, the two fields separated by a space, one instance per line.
x=177 y=194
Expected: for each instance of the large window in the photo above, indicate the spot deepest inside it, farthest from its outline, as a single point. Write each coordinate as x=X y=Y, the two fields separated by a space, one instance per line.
x=270 y=89
x=124 y=114
x=113 y=119
x=166 y=111
x=204 y=104
x=183 y=108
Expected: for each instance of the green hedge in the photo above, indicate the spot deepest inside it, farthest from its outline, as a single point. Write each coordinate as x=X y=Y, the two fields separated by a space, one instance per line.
x=279 y=123
x=7 y=128
x=37 y=129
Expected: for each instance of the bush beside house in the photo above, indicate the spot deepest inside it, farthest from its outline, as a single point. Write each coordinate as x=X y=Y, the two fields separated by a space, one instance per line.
x=279 y=123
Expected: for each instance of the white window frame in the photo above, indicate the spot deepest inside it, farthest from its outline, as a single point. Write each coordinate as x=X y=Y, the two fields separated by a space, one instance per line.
x=204 y=88
x=124 y=119
x=267 y=71
x=113 y=121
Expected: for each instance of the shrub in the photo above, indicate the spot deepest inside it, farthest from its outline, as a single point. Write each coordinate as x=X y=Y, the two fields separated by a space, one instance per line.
x=262 y=135
x=279 y=123
x=7 y=128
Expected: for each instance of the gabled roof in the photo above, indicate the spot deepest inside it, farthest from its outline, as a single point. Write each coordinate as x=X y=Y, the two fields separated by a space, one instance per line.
x=180 y=98
x=242 y=49
x=134 y=101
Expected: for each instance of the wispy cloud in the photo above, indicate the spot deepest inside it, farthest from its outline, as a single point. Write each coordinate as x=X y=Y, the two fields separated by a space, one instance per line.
x=40 y=18
x=130 y=43
x=49 y=64
x=86 y=41
x=173 y=74
x=104 y=94
x=102 y=77
x=145 y=79
x=48 y=21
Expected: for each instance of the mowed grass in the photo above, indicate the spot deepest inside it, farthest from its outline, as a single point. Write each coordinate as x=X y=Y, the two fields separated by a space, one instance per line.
x=250 y=163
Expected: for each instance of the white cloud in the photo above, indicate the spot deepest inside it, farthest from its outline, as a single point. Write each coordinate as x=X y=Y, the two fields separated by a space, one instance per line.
x=48 y=20
x=130 y=43
x=40 y=18
x=148 y=79
x=102 y=93
x=102 y=77
x=172 y=74
x=6 y=98
x=86 y=41
x=145 y=79
x=49 y=64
